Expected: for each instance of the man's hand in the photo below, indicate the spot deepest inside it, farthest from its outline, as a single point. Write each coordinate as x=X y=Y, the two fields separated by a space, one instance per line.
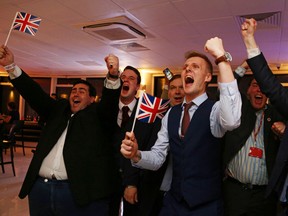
x=112 y=63
x=248 y=29
x=278 y=128
x=214 y=46
x=130 y=194
x=129 y=147
x=6 y=56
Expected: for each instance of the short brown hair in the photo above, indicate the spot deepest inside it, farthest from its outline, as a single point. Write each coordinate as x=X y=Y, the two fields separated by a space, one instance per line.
x=135 y=71
x=191 y=54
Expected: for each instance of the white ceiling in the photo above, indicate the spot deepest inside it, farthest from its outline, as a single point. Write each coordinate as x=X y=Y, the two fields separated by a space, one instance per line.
x=173 y=27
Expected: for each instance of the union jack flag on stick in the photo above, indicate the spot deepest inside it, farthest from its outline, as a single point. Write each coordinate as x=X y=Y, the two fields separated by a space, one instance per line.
x=24 y=22
x=150 y=108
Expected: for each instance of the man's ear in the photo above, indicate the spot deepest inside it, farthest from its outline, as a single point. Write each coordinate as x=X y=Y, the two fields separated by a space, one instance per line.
x=92 y=99
x=208 y=77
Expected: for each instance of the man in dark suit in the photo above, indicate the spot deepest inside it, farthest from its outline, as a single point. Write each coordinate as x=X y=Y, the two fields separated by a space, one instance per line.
x=139 y=186
x=72 y=171
x=196 y=154
x=278 y=96
x=249 y=155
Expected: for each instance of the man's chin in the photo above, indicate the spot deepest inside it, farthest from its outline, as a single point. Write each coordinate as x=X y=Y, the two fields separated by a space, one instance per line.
x=75 y=109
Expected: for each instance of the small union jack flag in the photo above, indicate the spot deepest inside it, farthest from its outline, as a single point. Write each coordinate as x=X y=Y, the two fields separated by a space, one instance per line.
x=150 y=108
x=27 y=23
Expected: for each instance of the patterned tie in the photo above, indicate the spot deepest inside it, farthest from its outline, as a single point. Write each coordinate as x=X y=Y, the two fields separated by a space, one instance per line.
x=186 y=118
x=125 y=116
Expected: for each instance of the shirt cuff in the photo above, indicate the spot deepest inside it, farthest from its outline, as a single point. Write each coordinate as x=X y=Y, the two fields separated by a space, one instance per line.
x=16 y=73
x=240 y=71
x=253 y=52
x=112 y=84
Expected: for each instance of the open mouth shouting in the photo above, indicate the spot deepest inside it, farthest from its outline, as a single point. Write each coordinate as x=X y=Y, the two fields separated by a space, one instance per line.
x=125 y=88
x=189 y=80
x=258 y=98
x=178 y=99
x=75 y=102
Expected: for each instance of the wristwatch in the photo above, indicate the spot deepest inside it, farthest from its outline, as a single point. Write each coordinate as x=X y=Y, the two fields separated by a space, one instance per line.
x=226 y=57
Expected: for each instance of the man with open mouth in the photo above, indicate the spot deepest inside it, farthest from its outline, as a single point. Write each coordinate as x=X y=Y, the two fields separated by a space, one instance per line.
x=249 y=155
x=192 y=132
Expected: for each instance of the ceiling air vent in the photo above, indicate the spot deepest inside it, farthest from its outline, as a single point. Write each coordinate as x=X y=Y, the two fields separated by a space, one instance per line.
x=115 y=30
x=130 y=47
x=265 y=20
x=88 y=63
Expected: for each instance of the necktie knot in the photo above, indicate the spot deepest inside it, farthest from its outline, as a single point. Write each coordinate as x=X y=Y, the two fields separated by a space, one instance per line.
x=125 y=116
x=187 y=106
x=186 y=118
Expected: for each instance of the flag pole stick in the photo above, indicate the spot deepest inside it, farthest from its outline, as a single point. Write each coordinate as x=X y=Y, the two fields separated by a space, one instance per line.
x=5 y=44
x=137 y=110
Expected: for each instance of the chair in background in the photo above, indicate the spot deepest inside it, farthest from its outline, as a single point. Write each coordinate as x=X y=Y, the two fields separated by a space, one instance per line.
x=7 y=145
x=16 y=131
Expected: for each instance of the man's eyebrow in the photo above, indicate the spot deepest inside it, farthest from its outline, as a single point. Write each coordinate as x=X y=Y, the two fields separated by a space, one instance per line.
x=80 y=88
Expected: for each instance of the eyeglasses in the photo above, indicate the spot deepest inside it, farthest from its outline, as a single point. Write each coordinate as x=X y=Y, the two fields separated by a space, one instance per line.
x=131 y=78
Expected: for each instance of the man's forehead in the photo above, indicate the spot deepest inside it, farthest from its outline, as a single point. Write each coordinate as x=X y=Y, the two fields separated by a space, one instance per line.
x=194 y=59
x=253 y=81
x=129 y=73
x=176 y=81
x=80 y=86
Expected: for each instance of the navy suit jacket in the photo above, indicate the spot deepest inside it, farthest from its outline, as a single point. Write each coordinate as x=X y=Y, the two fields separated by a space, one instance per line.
x=147 y=182
x=278 y=96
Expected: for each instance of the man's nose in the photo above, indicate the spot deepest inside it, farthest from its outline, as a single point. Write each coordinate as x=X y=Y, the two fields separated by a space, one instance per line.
x=188 y=68
x=124 y=79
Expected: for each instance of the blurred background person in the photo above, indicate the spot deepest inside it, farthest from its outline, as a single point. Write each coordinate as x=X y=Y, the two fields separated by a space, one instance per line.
x=6 y=120
x=176 y=95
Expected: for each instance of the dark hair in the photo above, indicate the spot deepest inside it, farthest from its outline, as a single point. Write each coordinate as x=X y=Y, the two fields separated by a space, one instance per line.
x=250 y=79
x=12 y=105
x=135 y=71
x=175 y=76
x=191 y=54
x=92 y=90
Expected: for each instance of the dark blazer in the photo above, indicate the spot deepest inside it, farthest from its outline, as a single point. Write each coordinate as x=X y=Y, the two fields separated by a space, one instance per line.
x=278 y=96
x=147 y=182
x=87 y=152
x=236 y=139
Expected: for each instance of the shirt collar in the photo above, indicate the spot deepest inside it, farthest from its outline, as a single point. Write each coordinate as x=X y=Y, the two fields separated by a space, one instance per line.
x=130 y=105
x=198 y=100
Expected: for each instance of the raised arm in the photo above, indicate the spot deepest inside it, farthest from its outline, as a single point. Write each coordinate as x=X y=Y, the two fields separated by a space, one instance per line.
x=214 y=46
x=267 y=81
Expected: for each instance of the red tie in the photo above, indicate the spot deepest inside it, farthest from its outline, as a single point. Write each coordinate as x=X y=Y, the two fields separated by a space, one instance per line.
x=125 y=116
x=186 y=118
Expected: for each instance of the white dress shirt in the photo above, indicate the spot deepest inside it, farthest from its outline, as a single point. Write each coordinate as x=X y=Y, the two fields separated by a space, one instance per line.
x=53 y=164
x=225 y=115
x=131 y=107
